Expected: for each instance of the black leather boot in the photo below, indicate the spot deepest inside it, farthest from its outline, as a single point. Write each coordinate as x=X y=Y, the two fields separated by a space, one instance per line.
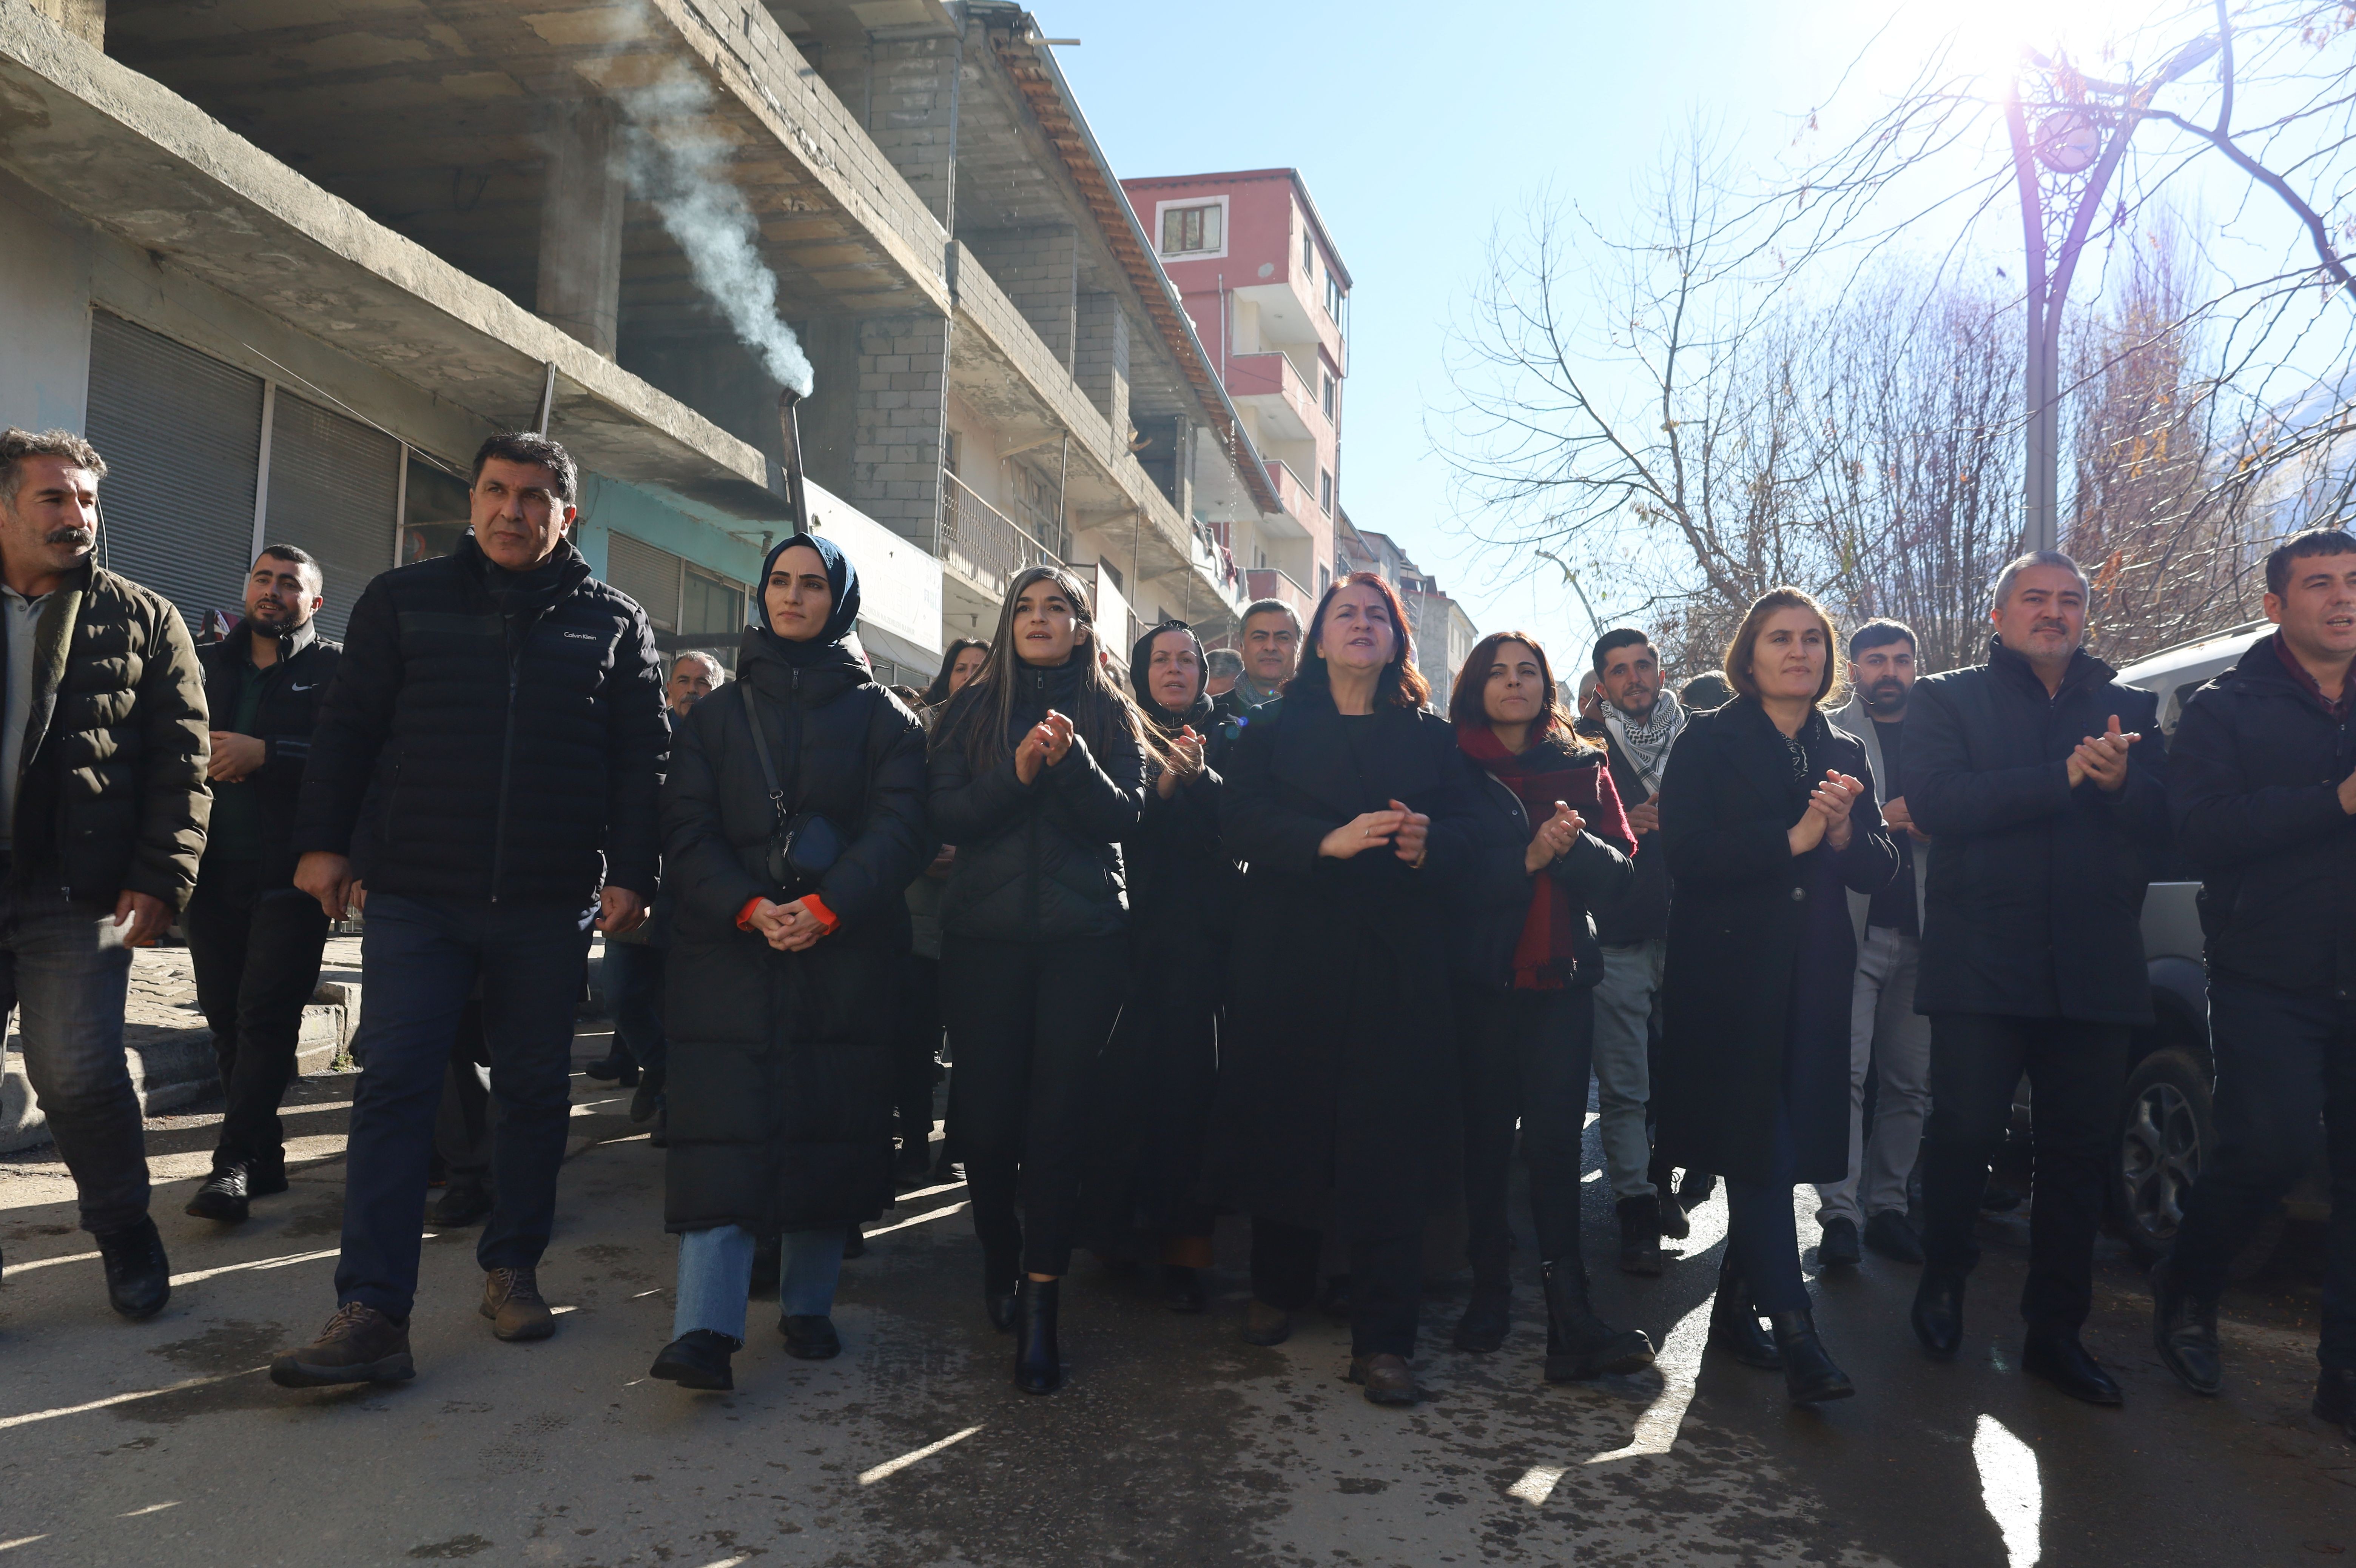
x=2060 y=1358
x=1734 y=1322
x=1640 y=1236
x=1038 y=1362
x=1809 y=1374
x=1489 y=1312
x=138 y=1274
x=2184 y=1328
x=698 y=1359
x=226 y=1196
x=1581 y=1345
x=1938 y=1314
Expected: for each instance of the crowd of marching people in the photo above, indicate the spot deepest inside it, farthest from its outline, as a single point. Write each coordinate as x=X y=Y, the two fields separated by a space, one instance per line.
x=1253 y=932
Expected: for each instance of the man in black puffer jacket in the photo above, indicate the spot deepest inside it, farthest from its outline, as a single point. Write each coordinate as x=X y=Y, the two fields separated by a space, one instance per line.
x=2263 y=779
x=2038 y=777
x=500 y=711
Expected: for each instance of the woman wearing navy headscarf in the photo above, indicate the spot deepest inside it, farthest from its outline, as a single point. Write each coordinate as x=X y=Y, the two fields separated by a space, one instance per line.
x=787 y=846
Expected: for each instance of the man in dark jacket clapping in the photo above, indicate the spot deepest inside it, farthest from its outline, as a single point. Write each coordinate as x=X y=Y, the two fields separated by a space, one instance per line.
x=2037 y=778
x=2263 y=779
x=504 y=709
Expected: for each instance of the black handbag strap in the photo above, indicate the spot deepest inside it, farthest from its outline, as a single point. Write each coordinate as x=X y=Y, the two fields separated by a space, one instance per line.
x=761 y=750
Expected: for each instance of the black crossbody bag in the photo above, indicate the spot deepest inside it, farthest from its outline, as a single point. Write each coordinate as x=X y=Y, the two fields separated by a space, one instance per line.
x=803 y=844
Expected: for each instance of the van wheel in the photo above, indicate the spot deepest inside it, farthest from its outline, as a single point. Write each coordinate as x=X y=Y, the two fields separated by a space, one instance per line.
x=2164 y=1127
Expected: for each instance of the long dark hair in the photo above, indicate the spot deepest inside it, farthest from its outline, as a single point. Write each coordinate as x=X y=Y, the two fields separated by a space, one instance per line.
x=982 y=712
x=1401 y=685
x=1468 y=701
x=939 y=692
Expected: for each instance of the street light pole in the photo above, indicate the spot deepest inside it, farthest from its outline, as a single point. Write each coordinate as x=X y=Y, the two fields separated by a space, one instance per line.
x=2072 y=140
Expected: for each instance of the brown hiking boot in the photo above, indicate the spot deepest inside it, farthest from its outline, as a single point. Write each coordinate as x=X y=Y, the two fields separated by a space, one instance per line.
x=1387 y=1379
x=360 y=1345
x=511 y=1301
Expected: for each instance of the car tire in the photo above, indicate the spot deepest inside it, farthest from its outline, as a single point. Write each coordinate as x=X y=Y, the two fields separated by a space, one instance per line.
x=2166 y=1126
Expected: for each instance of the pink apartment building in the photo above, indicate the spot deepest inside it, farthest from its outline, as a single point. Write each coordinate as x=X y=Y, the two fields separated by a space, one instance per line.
x=1270 y=299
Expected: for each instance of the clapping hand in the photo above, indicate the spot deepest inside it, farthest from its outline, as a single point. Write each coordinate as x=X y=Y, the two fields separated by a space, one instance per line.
x=1185 y=763
x=2104 y=758
x=1826 y=821
x=1030 y=755
x=1556 y=835
x=1413 y=831
x=1363 y=831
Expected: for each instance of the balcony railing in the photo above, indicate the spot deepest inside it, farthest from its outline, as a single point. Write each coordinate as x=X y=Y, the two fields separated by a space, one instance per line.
x=985 y=543
x=1269 y=582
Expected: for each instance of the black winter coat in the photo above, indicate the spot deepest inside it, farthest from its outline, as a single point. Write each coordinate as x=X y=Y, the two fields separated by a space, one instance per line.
x=1762 y=957
x=1181 y=881
x=1036 y=863
x=779 y=1078
x=111 y=796
x=2253 y=779
x=2033 y=906
x=1492 y=895
x=510 y=751
x=1642 y=913
x=292 y=690
x=1338 y=1073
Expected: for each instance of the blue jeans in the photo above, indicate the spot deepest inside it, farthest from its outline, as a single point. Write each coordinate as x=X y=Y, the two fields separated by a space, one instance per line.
x=69 y=972
x=2286 y=1099
x=633 y=979
x=418 y=960
x=715 y=1275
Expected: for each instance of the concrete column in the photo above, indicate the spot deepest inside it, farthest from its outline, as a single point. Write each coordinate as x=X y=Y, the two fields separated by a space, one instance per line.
x=581 y=203
x=85 y=19
x=1038 y=269
x=1101 y=362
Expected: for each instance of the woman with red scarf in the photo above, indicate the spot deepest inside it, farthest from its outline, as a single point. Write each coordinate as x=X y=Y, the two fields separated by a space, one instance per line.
x=1552 y=843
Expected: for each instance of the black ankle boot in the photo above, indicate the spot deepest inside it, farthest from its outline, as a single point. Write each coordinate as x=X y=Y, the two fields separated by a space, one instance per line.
x=1038 y=1362
x=1809 y=1374
x=698 y=1359
x=1734 y=1322
x=1938 y=1314
x=1489 y=1314
x=2184 y=1330
x=138 y=1275
x=1581 y=1345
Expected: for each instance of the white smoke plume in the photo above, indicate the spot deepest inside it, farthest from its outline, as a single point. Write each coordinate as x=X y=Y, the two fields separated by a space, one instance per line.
x=674 y=159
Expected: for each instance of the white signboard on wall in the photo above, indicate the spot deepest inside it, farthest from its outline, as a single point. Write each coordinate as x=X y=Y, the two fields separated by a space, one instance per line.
x=899 y=583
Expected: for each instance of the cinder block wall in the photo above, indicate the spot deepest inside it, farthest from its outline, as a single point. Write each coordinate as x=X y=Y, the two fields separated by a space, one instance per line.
x=1101 y=363
x=1038 y=269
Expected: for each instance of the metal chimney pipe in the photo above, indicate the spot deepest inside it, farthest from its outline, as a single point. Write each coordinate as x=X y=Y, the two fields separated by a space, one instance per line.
x=789 y=433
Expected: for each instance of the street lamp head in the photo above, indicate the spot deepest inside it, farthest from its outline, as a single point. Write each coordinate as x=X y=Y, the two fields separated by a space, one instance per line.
x=2067 y=142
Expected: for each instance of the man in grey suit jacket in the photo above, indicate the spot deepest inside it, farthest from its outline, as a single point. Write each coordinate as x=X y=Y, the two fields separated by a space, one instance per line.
x=1887 y=1036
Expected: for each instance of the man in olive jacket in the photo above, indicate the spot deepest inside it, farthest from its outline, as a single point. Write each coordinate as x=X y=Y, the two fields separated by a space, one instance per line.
x=102 y=813
x=2038 y=778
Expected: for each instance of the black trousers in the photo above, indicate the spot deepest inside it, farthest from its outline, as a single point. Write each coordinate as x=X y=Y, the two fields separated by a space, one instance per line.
x=2285 y=1084
x=1386 y=1281
x=1030 y=1019
x=1525 y=1057
x=255 y=948
x=462 y=1123
x=2076 y=1071
x=915 y=1056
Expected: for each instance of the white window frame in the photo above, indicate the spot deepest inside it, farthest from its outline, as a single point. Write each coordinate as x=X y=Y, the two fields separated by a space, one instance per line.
x=1226 y=228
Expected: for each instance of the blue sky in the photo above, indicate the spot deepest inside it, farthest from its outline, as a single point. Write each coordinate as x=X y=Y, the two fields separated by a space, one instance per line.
x=1419 y=128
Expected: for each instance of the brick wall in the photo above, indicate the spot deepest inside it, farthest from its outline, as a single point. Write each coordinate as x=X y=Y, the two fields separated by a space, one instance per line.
x=1038 y=269
x=901 y=416
x=1100 y=365
x=912 y=115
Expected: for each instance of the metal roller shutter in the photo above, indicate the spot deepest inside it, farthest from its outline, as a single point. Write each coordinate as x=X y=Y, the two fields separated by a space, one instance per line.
x=181 y=433
x=335 y=485
x=646 y=574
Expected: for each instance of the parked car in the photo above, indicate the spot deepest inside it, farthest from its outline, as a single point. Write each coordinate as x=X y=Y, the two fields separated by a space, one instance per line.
x=2166 y=1120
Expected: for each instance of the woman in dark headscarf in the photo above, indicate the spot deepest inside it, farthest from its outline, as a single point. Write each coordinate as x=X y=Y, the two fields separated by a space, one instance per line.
x=1162 y=1065
x=783 y=963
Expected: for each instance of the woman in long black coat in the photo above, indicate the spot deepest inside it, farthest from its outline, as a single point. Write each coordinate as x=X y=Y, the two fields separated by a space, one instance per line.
x=779 y=996
x=1164 y=1064
x=1346 y=800
x=1037 y=773
x=1768 y=818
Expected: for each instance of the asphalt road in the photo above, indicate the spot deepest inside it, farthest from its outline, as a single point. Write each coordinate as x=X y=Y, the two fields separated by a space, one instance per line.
x=1174 y=1443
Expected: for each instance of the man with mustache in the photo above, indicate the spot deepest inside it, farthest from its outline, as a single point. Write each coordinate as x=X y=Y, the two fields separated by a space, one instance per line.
x=2038 y=777
x=102 y=813
x=1887 y=1036
x=254 y=936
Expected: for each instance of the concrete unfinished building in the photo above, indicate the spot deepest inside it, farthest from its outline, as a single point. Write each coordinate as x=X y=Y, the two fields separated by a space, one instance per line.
x=287 y=264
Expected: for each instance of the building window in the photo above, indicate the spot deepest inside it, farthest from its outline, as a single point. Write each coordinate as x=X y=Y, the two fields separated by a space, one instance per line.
x=1329 y=397
x=1334 y=298
x=1324 y=578
x=1308 y=252
x=953 y=454
x=1185 y=229
x=1325 y=490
